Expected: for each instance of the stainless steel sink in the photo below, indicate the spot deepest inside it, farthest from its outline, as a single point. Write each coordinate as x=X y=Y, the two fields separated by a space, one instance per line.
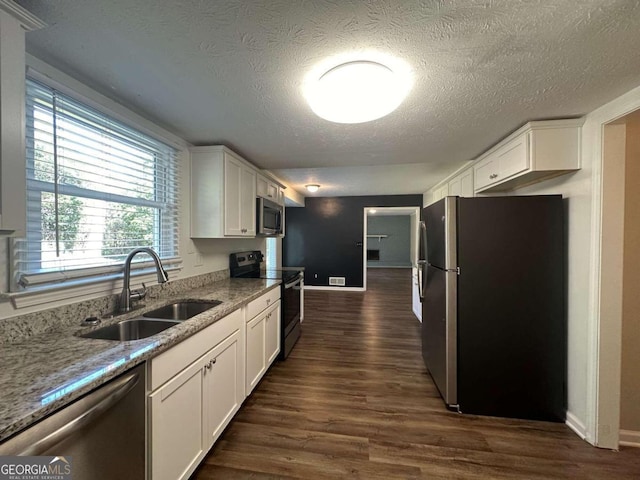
x=181 y=310
x=133 y=329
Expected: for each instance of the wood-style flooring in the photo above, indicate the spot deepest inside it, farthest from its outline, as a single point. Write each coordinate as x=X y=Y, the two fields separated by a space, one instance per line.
x=354 y=400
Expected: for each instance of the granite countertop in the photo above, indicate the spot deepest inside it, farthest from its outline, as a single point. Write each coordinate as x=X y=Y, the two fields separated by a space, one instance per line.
x=47 y=371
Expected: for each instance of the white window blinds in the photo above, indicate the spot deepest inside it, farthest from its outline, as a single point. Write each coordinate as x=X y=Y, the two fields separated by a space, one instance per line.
x=96 y=189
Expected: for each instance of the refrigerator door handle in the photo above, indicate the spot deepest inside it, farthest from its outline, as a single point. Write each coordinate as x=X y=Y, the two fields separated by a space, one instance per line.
x=422 y=264
x=421 y=276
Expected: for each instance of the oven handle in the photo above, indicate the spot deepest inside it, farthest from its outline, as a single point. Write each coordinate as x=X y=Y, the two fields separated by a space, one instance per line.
x=293 y=284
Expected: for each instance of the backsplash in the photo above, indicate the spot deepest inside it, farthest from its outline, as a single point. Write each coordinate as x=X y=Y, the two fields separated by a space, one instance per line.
x=20 y=328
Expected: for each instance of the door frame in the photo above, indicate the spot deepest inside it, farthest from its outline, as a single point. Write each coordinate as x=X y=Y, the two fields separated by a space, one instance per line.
x=415 y=242
x=605 y=320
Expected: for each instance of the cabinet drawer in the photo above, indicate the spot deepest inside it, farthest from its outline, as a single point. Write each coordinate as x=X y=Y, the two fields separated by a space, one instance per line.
x=169 y=363
x=259 y=304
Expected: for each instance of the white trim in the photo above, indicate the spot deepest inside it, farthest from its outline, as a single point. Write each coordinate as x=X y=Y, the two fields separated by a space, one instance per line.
x=365 y=246
x=335 y=289
x=108 y=285
x=630 y=438
x=28 y=20
x=576 y=425
x=416 y=211
x=599 y=398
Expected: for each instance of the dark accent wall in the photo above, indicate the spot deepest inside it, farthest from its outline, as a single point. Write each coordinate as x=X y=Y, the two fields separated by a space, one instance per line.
x=326 y=235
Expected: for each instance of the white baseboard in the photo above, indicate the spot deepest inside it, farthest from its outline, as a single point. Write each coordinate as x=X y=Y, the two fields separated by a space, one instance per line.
x=576 y=425
x=335 y=289
x=629 y=438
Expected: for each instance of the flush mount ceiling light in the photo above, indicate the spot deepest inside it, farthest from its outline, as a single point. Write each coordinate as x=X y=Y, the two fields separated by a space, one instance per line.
x=357 y=90
x=312 y=187
x=372 y=210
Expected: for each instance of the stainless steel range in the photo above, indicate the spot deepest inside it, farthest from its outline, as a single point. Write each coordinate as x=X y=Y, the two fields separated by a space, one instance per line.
x=247 y=265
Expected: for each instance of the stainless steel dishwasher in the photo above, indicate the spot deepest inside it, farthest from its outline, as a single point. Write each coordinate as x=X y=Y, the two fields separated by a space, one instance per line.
x=103 y=432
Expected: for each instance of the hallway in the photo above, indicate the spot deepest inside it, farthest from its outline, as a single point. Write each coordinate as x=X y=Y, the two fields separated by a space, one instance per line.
x=354 y=400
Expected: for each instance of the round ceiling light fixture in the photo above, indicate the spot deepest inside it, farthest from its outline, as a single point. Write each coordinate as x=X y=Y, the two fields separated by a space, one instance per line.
x=357 y=90
x=312 y=187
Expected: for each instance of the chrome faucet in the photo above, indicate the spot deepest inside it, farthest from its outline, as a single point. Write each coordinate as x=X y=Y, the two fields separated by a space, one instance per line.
x=127 y=295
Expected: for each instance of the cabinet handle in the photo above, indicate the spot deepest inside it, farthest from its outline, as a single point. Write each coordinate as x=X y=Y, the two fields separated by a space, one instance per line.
x=493 y=175
x=213 y=362
x=268 y=301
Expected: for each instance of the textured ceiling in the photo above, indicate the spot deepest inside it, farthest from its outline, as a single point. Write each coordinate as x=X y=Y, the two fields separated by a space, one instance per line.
x=230 y=72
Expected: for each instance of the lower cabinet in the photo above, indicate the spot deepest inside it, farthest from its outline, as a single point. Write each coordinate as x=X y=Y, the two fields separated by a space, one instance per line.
x=189 y=412
x=263 y=344
x=177 y=425
x=198 y=385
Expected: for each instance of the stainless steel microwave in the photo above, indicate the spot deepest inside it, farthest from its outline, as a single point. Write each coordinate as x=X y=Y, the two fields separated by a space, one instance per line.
x=269 y=217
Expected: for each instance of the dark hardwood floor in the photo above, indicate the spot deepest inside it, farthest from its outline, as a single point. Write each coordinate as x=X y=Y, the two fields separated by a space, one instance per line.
x=354 y=400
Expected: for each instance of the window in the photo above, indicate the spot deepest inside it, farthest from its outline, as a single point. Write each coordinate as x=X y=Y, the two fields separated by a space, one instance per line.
x=96 y=189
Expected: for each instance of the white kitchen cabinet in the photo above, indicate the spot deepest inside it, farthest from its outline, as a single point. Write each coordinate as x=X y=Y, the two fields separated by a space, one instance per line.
x=441 y=192
x=224 y=385
x=462 y=184
x=263 y=337
x=266 y=188
x=223 y=193
x=177 y=425
x=537 y=151
x=281 y=196
x=196 y=388
x=14 y=22
x=263 y=344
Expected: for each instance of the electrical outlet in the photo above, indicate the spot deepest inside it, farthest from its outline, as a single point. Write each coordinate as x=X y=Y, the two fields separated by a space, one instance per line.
x=198 y=260
x=315 y=275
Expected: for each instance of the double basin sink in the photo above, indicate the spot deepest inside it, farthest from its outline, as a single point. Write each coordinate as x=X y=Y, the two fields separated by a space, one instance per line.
x=152 y=322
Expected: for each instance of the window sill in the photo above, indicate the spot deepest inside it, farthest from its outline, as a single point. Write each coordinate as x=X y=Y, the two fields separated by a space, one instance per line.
x=82 y=289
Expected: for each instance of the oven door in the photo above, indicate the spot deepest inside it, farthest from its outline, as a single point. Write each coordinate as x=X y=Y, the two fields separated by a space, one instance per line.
x=291 y=304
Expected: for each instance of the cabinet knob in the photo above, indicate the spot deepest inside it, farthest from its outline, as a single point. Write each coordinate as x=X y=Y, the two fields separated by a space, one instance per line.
x=493 y=175
x=268 y=301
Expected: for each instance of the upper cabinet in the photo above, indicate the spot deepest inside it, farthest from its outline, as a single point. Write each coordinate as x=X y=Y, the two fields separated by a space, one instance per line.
x=462 y=184
x=14 y=21
x=269 y=189
x=537 y=151
x=223 y=194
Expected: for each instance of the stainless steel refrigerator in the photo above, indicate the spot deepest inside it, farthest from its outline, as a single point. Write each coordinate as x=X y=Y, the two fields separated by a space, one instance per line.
x=493 y=314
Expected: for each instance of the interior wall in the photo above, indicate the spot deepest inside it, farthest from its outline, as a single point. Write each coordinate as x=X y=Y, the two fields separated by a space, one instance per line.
x=395 y=249
x=630 y=367
x=326 y=236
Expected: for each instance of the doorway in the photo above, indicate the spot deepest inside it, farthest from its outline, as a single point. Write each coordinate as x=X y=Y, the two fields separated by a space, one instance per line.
x=390 y=245
x=617 y=378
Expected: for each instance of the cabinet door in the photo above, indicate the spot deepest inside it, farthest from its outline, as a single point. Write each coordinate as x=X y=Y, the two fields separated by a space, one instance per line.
x=272 y=335
x=177 y=425
x=262 y=186
x=455 y=187
x=255 y=351
x=466 y=184
x=486 y=172
x=233 y=182
x=513 y=157
x=223 y=385
x=248 y=202
x=281 y=196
